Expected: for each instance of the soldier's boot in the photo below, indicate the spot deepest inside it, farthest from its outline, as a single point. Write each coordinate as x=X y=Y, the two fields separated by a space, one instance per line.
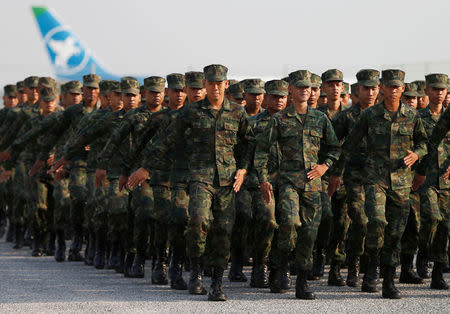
x=363 y=262
x=60 y=253
x=18 y=244
x=138 y=267
x=260 y=276
x=187 y=265
x=447 y=265
x=369 y=283
x=51 y=247
x=159 y=274
x=389 y=290
x=216 y=293
x=437 y=277
x=3 y=223
x=302 y=290
x=120 y=266
x=236 y=274
x=27 y=241
x=207 y=271
x=176 y=273
x=318 y=265
x=408 y=275
x=334 y=276
x=11 y=232
x=195 y=285
x=100 y=251
x=280 y=279
x=114 y=256
x=75 y=247
x=353 y=272
x=90 y=249
x=129 y=259
x=36 y=245
x=422 y=265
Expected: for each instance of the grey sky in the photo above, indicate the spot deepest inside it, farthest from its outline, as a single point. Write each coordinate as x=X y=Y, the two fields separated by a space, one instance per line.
x=253 y=38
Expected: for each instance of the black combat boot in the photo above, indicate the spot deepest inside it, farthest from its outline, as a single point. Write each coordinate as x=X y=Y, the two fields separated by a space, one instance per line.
x=195 y=285
x=280 y=278
x=3 y=224
x=318 y=264
x=236 y=274
x=36 y=245
x=50 y=247
x=27 y=239
x=60 y=253
x=159 y=274
x=334 y=276
x=138 y=267
x=18 y=236
x=114 y=257
x=389 y=290
x=90 y=249
x=353 y=272
x=176 y=273
x=422 y=265
x=437 y=277
x=10 y=233
x=260 y=273
x=216 y=293
x=75 y=247
x=120 y=266
x=369 y=283
x=100 y=250
x=302 y=290
x=129 y=259
x=408 y=275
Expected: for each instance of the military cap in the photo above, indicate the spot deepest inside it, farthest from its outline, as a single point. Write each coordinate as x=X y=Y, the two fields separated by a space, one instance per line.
x=236 y=91
x=155 y=84
x=115 y=87
x=194 y=79
x=215 y=72
x=10 y=90
x=47 y=81
x=300 y=78
x=73 y=87
x=410 y=90
x=48 y=93
x=105 y=86
x=353 y=89
x=437 y=80
x=254 y=86
x=277 y=87
x=129 y=86
x=448 y=82
x=31 y=81
x=332 y=75
x=19 y=85
x=346 y=89
x=316 y=81
x=231 y=82
x=393 y=77
x=368 y=77
x=286 y=79
x=323 y=94
x=176 y=81
x=91 y=80
x=420 y=87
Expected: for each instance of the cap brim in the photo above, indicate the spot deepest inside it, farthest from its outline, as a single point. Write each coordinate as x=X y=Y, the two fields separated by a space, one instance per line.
x=195 y=84
x=394 y=83
x=74 y=91
x=420 y=94
x=214 y=78
x=333 y=79
x=411 y=94
x=32 y=86
x=11 y=94
x=315 y=85
x=438 y=85
x=302 y=83
x=278 y=93
x=131 y=91
x=255 y=91
x=369 y=83
x=93 y=85
x=237 y=96
x=154 y=89
x=49 y=98
x=176 y=86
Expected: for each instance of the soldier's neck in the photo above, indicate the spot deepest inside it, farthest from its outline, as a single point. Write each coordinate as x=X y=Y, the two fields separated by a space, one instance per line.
x=365 y=106
x=435 y=109
x=301 y=107
x=153 y=108
x=252 y=110
x=216 y=103
x=175 y=106
x=392 y=105
x=334 y=105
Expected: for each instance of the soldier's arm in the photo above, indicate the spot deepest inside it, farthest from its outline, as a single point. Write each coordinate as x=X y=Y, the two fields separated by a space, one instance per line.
x=331 y=143
x=355 y=136
x=262 y=150
x=247 y=141
x=9 y=131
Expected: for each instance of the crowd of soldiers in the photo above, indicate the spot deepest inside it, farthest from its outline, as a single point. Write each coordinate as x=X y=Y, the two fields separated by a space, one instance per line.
x=285 y=175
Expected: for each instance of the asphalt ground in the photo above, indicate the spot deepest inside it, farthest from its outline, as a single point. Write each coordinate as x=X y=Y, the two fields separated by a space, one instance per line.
x=41 y=285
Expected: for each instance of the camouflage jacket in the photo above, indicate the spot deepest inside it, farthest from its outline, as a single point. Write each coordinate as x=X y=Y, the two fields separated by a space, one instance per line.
x=436 y=166
x=300 y=143
x=387 y=144
x=214 y=136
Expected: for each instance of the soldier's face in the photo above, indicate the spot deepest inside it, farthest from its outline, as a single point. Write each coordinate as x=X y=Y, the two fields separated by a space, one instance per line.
x=240 y=101
x=215 y=90
x=422 y=102
x=22 y=97
x=130 y=101
x=154 y=99
x=345 y=98
x=410 y=101
x=10 y=102
x=253 y=100
x=115 y=101
x=300 y=94
x=104 y=100
x=314 y=97
x=48 y=106
x=354 y=98
x=447 y=99
x=392 y=93
x=436 y=95
x=32 y=93
x=367 y=95
x=276 y=103
x=70 y=99
x=333 y=89
x=176 y=97
x=90 y=95
x=195 y=94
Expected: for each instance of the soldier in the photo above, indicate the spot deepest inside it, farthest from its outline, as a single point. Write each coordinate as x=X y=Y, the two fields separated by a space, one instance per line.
x=345 y=94
x=354 y=93
x=253 y=96
x=409 y=96
x=71 y=93
x=194 y=89
x=435 y=193
x=236 y=94
x=388 y=175
x=422 y=100
x=10 y=97
x=367 y=89
x=322 y=98
x=21 y=95
x=316 y=82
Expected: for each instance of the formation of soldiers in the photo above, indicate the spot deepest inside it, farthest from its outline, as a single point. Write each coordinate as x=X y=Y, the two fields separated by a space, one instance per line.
x=285 y=175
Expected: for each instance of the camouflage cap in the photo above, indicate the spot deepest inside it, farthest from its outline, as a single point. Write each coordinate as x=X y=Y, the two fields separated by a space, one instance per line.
x=277 y=87
x=91 y=80
x=437 y=80
x=300 y=78
x=19 y=85
x=31 y=81
x=236 y=91
x=420 y=87
x=10 y=90
x=129 y=86
x=353 y=89
x=316 y=81
x=254 y=86
x=47 y=81
x=346 y=89
x=286 y=79
x=105 y=86
x=116 y=87
x=194 y=79
x=410 y=90
x=322 y=94
x=73 y=87
x=155 y=84
x=332 y=75
x=393 y=77
x=48 y=93
x=176 y=81
x=231 y=82
x=368 y=77
x=215 y=72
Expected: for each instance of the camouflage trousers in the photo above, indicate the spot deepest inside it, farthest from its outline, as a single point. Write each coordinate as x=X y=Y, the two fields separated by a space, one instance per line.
x=61 y=196
x=162 y=205
x=100 y=214
x=435 y=223
x=212 y=213
x=20 y=196
x=299 y=215
x=410 y=239
x=143 y=205
x=42 y=206
x=326 y=223
x=339 y=228
x=387 y=211
x=77 y=189
x=358 y=225
x=178 y=219
x=119 y=215
x=91 y=202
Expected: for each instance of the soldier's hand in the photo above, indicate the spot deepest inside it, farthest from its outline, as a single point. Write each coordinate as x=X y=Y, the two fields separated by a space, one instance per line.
x=447 y=173
x=334 y=184
x=138 y=177
x=4 y=155
x=5 y=175
x=61 y=163
x=38 y=165
x=100 y=176
x=122 y=182
x=51 y=160
x=418 y=181
x=239 y=179
x=317 y=171
x=60 y=174
x=410 y=159
x=266 y=190
x=87 y=148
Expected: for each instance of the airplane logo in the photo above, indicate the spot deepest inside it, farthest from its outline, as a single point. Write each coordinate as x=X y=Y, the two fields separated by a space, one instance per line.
x=64 y=50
